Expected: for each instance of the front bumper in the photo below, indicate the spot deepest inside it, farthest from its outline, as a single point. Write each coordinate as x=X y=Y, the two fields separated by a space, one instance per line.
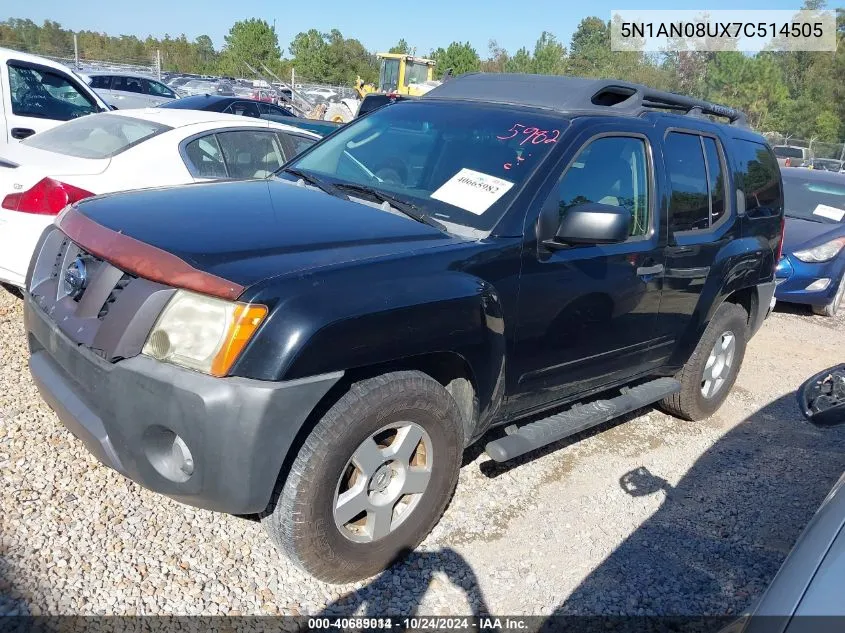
x=128 y=414
x=793 y=277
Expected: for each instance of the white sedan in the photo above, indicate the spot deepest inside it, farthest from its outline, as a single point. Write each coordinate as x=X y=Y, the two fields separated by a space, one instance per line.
x=127 y=149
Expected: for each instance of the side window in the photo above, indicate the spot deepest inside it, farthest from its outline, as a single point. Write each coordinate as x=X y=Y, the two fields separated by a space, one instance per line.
x=205 y=158
x=244 y=108
x=716 y=176
x=759 y=177
x=158 y=89
x=128 y=84
x=250 y=153
x=45 y=94
x=689 y=206
x=610 y=170
x=295 y=144
x=101 y=82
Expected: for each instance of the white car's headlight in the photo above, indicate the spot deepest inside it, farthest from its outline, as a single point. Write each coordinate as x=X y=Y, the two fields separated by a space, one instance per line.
x=823 y=253
x=203 y=333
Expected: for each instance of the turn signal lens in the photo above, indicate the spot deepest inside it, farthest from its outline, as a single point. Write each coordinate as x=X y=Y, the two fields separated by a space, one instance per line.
x=245 y=321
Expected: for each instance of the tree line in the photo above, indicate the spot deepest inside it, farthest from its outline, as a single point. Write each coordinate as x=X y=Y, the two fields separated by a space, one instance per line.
x=797 y=93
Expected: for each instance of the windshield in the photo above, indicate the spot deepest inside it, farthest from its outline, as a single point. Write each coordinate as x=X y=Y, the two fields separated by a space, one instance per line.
x=415 y=73
x=388 y=80
x=96 y=136
x=456 y=162
x=785 y=151
x=816 y=200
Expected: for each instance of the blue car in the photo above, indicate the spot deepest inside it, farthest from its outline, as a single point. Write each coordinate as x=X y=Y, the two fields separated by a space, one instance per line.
x=813 y=262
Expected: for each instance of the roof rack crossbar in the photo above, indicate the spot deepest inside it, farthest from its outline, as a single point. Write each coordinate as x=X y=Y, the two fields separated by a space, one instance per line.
x=696 y=107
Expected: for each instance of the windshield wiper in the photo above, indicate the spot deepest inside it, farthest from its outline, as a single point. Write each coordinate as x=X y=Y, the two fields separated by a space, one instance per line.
x=322 y=185
x=406 y=208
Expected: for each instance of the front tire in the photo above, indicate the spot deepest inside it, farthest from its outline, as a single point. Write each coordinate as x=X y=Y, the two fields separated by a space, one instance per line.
x=832 y=308
x=711 y=371
x=371 y=479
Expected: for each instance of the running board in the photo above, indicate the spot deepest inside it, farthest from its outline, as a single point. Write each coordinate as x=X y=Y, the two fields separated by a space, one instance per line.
x=578 y=418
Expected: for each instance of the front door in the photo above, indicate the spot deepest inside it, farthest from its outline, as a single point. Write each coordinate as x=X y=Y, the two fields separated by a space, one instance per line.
x=41 y=97
x=588 y=313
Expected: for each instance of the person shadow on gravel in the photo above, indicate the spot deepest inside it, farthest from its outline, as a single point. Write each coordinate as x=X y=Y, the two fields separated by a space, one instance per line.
x=723 y=531
x=399 y=590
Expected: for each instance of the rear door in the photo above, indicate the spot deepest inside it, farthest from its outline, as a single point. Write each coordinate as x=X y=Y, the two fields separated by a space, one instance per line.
x=233 y=154
x=702 y=222
x=40 y=97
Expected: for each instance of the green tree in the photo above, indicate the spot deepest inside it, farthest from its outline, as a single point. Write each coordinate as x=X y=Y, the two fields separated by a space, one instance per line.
x=401 y=47
x=549 y=55
x=249 y=44
x=461 y=58
x=520 y=62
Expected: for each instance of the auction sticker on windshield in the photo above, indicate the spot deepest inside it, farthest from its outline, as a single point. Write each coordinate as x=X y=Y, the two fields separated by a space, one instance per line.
x=472 y=191
x=832 y=213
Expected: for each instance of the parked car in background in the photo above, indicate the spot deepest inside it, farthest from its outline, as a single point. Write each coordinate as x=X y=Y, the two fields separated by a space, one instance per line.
x=826 y=164
x=198 y=87
x=321 y=93
x=178 y=81
x=37 y=93
x=791 y=155
x=230 y=105
x=128 y=149
x=126 y=90
x=813 y=262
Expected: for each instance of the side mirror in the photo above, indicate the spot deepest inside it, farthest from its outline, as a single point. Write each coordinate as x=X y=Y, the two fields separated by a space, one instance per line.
x=593 y=223
x=822 y=397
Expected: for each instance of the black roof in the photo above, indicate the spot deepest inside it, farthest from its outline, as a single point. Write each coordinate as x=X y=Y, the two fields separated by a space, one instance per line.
x=575 y=94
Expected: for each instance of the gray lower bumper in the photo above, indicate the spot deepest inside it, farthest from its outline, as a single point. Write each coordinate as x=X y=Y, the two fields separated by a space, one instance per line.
x=128 y=414
x=765 y=304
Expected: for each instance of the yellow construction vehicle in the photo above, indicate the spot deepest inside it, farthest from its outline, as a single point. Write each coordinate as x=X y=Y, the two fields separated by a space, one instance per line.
x=399 y=74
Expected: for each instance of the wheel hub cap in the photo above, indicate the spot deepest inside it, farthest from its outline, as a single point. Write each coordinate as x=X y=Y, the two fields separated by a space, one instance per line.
x=383 y=482
x=719 y=364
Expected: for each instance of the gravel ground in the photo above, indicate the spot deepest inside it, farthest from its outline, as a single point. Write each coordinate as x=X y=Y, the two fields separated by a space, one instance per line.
x=650 y=515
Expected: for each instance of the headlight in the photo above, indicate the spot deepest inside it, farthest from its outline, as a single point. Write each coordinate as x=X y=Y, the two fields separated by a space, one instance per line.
x=823 y=253
x=203 y=333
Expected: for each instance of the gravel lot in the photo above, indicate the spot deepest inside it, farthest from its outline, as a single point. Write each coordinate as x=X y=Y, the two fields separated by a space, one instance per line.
x=651 y=515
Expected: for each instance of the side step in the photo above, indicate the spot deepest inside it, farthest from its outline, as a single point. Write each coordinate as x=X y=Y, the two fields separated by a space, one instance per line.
x=578 y=418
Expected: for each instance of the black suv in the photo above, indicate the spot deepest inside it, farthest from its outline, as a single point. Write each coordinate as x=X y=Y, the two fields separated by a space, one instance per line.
x=319 y=348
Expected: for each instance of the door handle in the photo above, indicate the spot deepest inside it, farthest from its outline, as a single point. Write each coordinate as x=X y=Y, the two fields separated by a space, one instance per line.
x=22 y=132
x=644 y=271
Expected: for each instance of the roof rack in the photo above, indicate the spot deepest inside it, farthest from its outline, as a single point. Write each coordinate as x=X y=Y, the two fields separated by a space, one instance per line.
x=568 y=94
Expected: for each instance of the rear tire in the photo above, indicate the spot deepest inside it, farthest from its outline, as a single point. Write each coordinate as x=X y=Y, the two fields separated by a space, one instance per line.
x=832 y=308
x=713 y=367
x=355 y=454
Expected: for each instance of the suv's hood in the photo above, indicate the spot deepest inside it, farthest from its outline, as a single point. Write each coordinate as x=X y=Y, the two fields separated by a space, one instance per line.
x=245 y=232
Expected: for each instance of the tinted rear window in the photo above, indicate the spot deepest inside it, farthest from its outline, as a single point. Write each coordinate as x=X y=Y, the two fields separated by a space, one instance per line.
x=96 y=136
x=759 y=176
